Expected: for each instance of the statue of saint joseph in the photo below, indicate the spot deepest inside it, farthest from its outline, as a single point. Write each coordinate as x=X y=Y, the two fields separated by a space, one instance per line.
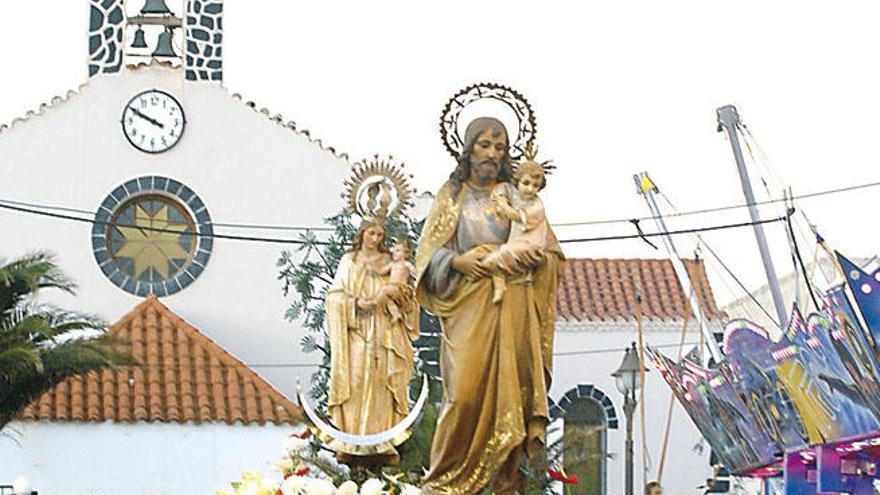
x=496 y=356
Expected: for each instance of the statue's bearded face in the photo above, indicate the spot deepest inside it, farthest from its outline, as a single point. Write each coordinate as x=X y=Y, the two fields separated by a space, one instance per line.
x=489 y=149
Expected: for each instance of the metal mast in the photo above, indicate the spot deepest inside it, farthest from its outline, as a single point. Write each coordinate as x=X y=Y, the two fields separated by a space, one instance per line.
x=647 y=189
x=728 y=120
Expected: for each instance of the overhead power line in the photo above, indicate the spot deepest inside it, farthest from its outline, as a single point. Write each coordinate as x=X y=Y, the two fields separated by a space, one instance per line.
x=673 y=232
x=727 y=207
x=258 y=226
x=61 y=216
x=66 y=209
x=175 y=364
x=277 y=240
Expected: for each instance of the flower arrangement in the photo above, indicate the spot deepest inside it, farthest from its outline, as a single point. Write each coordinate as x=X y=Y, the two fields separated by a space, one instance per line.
x=304 y=472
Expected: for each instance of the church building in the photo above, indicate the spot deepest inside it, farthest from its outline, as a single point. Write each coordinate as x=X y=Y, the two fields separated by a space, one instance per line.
x=145 y=182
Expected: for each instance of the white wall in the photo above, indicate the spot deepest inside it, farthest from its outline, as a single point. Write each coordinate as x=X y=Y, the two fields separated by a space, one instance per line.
x=139 y=459
x=684 y=470
x=246 y=169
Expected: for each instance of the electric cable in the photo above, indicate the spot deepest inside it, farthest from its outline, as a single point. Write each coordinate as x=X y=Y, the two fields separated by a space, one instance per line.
x=727 y=269
x=236 y=225
x=726 y=207
x=797 y=254
x=170 y=364
x=215 y=224
x=61 y=216
x=673 y=232
x=815 y=238
x=615 y=349
x=276 y=240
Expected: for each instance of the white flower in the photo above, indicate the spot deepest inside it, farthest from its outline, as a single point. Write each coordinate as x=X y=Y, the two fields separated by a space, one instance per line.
x=320 y=487
x=293 y=485
x=373 y=487
x=347 y=488
x=410 y=490
x=283 y=465
x=271 y=484
x=293 y=446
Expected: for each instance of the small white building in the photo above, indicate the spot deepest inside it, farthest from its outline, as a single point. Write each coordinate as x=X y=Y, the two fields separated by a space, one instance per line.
x=188 y=417
x=596 y=322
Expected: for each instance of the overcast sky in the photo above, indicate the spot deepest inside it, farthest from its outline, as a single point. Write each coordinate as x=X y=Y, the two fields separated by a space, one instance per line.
x=617 y=88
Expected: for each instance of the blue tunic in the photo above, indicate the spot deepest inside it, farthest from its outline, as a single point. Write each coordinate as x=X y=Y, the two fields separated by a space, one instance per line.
x=478 y=224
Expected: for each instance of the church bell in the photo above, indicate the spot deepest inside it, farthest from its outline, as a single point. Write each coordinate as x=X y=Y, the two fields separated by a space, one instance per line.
x=156 y=7
x=163 y=46
x=139 y=40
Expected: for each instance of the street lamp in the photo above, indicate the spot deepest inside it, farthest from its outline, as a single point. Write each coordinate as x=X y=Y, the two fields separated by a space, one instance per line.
x=629 y=379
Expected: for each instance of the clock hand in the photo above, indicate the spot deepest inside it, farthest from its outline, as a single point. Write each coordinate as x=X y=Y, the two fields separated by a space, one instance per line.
x=147 y=118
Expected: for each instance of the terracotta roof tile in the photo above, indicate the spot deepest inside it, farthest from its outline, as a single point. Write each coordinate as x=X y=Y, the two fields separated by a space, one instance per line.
x=181 y=376
x=605 y=289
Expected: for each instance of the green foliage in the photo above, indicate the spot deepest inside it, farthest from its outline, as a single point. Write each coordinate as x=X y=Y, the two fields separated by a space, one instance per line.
x=572 y=447
x=41 y=345
x=307 y=274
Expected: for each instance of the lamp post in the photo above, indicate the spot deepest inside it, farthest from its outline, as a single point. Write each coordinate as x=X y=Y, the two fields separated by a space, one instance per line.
x=628 y=379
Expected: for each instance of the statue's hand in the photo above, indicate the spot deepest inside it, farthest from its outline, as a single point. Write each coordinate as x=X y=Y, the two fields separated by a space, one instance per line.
x=532 y=257
x=470 y=266
x=508 y=212
x=366 y=304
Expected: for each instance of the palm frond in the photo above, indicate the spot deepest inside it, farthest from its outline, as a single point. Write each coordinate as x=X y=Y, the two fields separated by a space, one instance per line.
x=40 y=344
x=19 y=358
x=23 y=276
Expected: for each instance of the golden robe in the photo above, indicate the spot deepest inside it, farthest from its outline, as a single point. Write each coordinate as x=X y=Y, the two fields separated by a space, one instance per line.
x=371 y=356
x=495 y=358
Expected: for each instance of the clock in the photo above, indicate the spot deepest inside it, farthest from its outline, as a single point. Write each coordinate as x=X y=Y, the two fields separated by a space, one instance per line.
x=153 y=121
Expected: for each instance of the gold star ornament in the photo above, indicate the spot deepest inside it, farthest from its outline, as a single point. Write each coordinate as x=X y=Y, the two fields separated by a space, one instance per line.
x=152 y=241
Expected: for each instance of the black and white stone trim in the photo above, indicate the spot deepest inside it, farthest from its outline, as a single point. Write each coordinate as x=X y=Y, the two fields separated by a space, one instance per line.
x=204 y=40
x=585 y=391
x=106 y=35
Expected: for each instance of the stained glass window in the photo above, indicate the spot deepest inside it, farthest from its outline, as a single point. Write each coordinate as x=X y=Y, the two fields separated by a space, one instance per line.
x=152 y=235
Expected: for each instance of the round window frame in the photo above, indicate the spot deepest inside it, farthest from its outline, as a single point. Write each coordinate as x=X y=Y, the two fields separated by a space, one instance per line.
x=172 y=190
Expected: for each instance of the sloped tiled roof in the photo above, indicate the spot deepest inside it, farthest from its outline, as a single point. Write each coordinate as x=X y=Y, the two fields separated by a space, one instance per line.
x=181 y=376
x=605 y=289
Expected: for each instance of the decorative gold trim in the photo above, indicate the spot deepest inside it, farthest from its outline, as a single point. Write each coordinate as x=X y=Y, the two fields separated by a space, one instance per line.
x=378 y=189
x=449 y=128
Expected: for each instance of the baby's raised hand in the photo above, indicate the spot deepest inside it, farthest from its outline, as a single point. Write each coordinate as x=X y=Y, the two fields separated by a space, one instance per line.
x=508 y=211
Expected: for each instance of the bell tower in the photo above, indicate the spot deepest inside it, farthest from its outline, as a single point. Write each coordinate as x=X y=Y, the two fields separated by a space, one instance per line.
x=121 y=33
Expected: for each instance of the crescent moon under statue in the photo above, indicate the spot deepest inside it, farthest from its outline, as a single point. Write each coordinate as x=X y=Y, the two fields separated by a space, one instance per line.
x=363 y=445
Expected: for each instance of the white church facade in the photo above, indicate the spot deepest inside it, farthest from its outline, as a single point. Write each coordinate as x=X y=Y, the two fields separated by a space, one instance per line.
x=135 y=179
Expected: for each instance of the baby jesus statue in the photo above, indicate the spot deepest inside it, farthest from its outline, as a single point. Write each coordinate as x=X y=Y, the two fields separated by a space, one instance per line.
x=529 y=229
x=398 y=293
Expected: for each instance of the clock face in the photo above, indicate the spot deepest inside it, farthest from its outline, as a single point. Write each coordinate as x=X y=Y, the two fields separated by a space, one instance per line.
x=153 y=121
